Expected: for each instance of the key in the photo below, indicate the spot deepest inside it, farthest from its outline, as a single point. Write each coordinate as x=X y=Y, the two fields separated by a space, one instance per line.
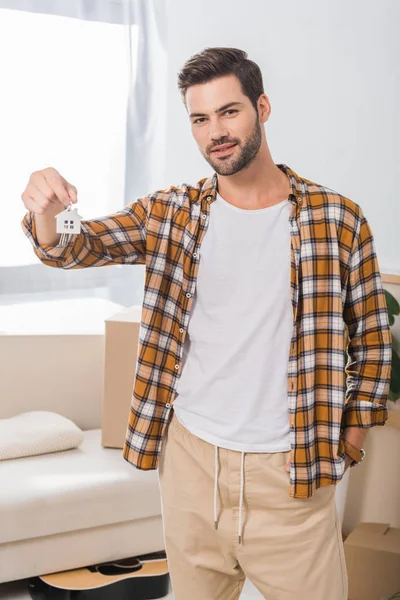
x=68 y=222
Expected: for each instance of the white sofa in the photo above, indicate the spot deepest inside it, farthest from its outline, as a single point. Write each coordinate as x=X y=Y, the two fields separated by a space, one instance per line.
x=78 y=507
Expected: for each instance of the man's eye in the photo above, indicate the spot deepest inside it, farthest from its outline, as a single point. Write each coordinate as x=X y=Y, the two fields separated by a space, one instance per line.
x=202 y=118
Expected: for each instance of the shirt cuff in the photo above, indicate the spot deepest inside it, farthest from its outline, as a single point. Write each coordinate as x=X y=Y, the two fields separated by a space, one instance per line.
x=47 y=250
x=362 y=413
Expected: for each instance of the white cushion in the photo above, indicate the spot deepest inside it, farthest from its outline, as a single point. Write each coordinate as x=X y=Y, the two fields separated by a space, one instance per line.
x=37 y=432
x=87 y=487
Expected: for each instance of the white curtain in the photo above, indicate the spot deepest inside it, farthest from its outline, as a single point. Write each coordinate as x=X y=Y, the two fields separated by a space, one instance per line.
x=83 y=90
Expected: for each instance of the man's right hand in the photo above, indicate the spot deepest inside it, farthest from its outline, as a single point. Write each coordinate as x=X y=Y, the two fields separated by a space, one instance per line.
x=48 y=192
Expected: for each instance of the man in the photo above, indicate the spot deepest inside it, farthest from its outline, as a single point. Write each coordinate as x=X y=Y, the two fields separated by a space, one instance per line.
x=253 y=277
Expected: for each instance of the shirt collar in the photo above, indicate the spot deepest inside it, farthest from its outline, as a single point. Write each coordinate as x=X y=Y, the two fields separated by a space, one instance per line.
x=297 y=187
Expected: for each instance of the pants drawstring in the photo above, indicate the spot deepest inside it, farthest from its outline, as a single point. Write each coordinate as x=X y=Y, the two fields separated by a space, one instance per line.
x=241 y=499
x=215 y=487
x=240 y=527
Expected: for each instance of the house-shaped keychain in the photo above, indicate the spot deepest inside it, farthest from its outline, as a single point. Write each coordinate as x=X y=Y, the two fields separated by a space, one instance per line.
x=68 y=221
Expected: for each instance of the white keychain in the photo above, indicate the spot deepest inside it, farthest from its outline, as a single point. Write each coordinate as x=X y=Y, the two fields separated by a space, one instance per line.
x=68 y=222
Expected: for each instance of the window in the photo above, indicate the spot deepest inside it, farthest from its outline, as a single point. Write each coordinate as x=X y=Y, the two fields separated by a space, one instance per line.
x=65 y=89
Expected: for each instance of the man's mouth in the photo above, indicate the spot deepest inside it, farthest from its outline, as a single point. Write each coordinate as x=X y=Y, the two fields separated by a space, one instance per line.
x=223 y=149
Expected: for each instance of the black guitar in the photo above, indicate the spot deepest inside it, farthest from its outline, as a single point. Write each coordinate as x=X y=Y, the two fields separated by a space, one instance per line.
x=143 y=577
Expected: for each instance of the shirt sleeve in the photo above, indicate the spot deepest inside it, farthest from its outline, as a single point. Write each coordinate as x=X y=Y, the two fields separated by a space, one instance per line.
x=369 y=336
x=118 y=238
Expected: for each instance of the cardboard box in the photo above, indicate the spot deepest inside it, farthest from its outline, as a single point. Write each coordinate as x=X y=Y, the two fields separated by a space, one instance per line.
x=372 y=554
x=120 y=357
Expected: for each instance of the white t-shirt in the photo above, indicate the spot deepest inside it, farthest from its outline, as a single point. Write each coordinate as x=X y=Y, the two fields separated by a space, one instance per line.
x=232 y=391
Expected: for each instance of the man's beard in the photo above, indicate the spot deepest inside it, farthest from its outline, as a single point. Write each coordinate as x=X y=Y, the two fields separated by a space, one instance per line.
x=231 y=164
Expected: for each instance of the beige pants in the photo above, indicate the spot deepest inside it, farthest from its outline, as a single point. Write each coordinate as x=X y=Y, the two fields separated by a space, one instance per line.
x=291 y=548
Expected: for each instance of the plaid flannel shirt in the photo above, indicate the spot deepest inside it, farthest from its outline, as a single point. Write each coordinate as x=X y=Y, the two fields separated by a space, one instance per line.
x=336 y=288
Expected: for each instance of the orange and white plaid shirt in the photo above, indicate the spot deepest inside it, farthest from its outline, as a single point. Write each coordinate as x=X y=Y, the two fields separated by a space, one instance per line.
x=336 y=288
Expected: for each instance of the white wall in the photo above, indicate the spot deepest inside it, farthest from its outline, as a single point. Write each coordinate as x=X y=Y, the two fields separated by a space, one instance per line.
x=331 y=72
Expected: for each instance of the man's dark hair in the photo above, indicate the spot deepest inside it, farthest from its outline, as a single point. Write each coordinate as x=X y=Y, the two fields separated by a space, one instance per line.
x=212 y=63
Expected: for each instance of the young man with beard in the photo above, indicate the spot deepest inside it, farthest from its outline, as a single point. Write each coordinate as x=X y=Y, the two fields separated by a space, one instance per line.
x=253 y=277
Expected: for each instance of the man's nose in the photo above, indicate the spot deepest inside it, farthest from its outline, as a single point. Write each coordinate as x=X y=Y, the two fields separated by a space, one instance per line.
x=219 y=134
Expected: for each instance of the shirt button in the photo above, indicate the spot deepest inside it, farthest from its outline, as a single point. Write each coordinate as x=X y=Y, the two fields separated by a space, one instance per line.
x=180 y=330
x=176 y=366
x=203 y=216
x=209 y=197
x=299 y=199
x=194 y=255
x=188 y=295
x=167 y=405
